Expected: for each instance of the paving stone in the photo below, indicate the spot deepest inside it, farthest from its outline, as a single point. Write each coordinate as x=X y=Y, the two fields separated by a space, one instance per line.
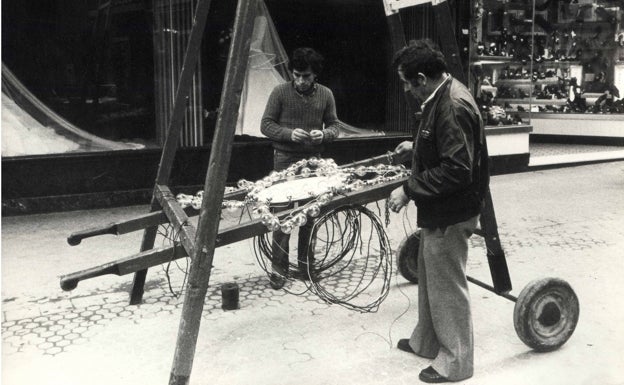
x=54 y=350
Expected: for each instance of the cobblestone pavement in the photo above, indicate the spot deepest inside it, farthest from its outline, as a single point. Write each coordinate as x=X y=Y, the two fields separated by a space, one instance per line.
x=566 y=223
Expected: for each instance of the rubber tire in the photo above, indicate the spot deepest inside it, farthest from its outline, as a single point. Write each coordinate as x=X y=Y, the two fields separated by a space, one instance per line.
x=407 y=257
x=546 y=314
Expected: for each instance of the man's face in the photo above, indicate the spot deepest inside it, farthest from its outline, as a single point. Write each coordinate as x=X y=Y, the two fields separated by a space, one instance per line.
x=416 y=89
x=304 y=80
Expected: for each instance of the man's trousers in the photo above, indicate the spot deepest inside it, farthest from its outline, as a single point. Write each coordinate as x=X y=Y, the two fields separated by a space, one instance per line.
x=280 y=244
x=444 y=329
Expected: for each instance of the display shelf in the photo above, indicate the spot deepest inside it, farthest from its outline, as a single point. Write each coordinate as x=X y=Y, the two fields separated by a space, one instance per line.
x=510 y=61
x=513 y=82
x=491 y=60
x=526 y=82
x=527 y=101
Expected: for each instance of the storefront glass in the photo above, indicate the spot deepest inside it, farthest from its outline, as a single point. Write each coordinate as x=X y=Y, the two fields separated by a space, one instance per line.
x=544 y=57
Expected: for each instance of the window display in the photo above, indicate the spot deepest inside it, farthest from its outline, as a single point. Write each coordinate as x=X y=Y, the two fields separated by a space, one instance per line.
x=547 y=56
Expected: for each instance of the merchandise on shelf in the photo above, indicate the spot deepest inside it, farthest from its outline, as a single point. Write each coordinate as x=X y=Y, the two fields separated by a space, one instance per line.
x=547 y=56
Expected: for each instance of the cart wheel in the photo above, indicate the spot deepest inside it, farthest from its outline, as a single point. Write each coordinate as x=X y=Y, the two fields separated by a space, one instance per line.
x=407 y=257
x=546 y=313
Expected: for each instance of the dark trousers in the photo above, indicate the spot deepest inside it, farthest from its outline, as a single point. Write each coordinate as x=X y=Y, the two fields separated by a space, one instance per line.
x=280 y=245
x=280 y=249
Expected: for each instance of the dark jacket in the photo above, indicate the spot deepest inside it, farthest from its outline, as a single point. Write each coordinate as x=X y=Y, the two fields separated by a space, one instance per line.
x=450 y=174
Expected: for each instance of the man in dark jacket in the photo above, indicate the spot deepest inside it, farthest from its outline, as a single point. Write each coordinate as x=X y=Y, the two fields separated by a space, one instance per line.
x=448 y=184
x=299 y=117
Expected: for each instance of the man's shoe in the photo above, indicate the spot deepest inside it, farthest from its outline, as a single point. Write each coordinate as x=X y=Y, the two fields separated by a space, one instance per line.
x=276 y=281
x=405 y=346
x=430 y=376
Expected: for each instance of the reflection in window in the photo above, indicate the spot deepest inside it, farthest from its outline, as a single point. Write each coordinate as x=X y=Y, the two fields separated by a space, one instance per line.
x=29 y=127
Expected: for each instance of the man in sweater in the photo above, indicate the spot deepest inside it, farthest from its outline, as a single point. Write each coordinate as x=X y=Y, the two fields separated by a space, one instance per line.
x=299 y=117
x=449 y=182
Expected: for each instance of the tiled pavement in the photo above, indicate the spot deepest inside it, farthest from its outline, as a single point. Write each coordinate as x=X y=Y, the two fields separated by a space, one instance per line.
x=567 y=223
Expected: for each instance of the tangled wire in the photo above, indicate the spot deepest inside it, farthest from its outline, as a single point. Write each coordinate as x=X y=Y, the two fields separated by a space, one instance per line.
x=171 y=236
x=351 y=264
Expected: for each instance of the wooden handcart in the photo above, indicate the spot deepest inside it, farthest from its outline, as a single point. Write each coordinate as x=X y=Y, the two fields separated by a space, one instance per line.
x=546 y=311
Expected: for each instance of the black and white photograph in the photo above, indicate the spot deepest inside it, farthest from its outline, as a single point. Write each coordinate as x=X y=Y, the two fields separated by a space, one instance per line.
x=312 y=192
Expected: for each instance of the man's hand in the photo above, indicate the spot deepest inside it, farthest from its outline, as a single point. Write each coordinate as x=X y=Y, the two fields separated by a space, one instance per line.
x=403 y=151
x=397 y=199
x=403 y=147
x=316 y=136
x=300 y=136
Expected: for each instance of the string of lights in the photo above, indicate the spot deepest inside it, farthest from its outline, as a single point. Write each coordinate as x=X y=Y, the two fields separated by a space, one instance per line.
x=352 y=261
x=343 y=180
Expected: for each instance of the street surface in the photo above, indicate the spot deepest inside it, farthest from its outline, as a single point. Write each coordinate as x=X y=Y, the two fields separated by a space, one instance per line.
x=566 y=223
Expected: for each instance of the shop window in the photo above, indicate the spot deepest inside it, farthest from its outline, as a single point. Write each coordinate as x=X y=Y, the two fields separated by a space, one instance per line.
x=531 y=59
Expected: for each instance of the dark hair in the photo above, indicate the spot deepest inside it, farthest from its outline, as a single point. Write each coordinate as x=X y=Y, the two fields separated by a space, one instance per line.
x=305 y=57
x=420 y=56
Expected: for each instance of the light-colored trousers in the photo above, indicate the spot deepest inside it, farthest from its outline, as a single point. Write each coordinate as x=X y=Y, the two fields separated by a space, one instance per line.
x=444 y=329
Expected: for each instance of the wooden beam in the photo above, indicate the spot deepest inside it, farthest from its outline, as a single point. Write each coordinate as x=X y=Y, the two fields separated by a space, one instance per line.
x=124 y=266
x=141 y=222
x=495 y=254
x=208 y=223
x=177 y=217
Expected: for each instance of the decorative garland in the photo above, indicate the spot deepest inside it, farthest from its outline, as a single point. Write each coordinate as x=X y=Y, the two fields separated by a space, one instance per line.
x=351 y=179
x=345 y=255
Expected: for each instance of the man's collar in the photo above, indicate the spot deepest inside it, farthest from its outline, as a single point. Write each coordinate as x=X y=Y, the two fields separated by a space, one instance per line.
x=308 y=92
x=433 y=94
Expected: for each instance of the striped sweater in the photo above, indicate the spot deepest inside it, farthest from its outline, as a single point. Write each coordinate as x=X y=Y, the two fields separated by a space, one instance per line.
x=287 y=110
